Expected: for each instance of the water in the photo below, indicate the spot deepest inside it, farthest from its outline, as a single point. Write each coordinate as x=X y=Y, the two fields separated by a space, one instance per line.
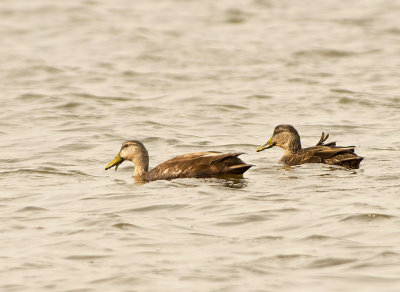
x=80 y=77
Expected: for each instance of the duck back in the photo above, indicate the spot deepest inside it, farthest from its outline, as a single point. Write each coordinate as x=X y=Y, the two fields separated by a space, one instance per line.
x=329 y=154
x=199 y=165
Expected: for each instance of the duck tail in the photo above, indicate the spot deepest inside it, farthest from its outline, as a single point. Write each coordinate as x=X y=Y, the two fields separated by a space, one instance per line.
x=238 y=169
x=351 y=162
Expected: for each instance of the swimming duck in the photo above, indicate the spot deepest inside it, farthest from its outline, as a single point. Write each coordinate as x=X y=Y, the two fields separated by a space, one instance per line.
x=190 y=165
x=287 y=137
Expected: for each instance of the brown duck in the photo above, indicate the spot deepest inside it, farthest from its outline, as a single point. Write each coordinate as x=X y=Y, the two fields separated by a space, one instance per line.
x=191 y=165
x=287 y=137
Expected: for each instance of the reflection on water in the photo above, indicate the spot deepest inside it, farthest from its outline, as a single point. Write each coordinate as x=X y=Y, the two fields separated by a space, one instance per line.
x=186 y=76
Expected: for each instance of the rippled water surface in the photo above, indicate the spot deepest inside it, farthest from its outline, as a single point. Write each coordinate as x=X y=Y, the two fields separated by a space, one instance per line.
x=78 y=78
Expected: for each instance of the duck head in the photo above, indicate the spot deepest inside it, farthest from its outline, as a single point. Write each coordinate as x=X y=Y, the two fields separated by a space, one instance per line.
x=130 y=150
x=284 y=136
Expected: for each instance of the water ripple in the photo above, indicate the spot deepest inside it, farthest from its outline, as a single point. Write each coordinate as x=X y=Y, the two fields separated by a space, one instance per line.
x=329 y=262
x=367 y=217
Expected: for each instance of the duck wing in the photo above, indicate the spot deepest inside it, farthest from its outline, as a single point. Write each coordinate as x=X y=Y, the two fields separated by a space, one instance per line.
x=334 y=155
x=199 y=165
x=343 y=156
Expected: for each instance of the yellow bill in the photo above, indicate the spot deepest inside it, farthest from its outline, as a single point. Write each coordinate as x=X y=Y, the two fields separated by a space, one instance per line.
x=116 y=162
x=267 y=145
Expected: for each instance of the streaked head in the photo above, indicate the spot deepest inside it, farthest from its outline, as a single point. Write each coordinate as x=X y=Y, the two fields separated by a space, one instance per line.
x=130 y=150
x=284 y=136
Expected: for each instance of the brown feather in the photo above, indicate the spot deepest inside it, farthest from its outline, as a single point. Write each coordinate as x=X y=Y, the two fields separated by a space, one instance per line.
x=191 y=165
x=343 y=156
x=199 y=165
x=287 y=137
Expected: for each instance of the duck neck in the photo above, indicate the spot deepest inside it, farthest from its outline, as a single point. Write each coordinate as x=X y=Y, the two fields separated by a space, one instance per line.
x=293 y=145
x=141 y=162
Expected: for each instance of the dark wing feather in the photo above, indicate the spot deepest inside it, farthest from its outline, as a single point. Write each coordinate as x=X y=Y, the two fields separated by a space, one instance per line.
x=225 y=156
x=346 y=159
x=327 y=153
x=199 y=165
x=334 y=155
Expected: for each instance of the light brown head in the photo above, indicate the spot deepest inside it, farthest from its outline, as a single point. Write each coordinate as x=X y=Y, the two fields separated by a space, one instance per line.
x=284 y=136
x=133 y=151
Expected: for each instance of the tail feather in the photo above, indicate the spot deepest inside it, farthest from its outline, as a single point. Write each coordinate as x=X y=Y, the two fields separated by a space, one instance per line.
x=351 y=162
x=238 y=169
x=226 y=156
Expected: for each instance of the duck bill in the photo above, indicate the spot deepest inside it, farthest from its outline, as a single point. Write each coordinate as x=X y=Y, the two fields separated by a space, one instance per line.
x=267 y=145
x=116 y=162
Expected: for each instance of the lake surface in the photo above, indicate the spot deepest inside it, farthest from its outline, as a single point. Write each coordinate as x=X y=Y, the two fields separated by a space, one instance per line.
x=80 y=77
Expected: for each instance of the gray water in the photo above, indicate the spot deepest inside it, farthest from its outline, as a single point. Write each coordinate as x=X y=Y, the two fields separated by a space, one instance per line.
x=78 y=78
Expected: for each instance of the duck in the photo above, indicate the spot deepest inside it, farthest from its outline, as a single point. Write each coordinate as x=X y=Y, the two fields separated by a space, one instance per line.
x=287 y=137
x=191 y=165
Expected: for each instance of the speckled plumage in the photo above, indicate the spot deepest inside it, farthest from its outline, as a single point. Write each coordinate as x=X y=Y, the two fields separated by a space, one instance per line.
x=287 y=137
x=190 y=165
